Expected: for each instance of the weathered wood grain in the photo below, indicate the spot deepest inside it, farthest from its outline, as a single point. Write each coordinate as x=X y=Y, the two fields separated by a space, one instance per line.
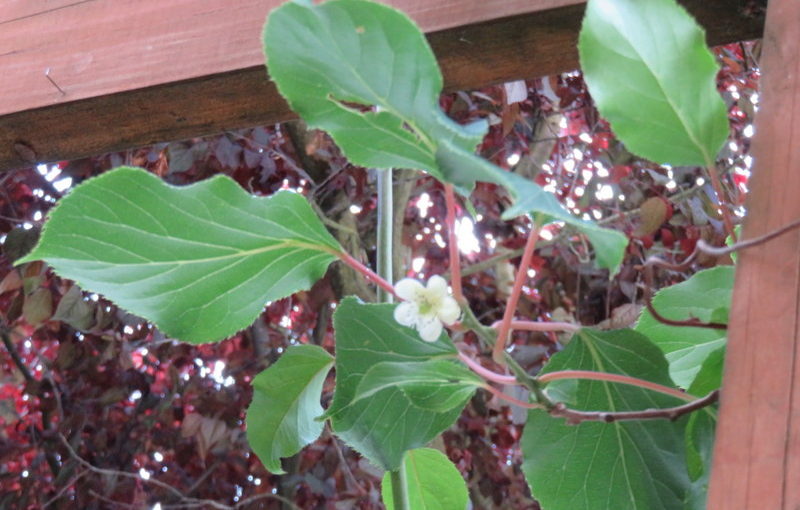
x=757 y=454
x=133 y=73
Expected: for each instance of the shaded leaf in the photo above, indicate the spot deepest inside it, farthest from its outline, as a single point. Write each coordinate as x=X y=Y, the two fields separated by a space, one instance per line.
x=19 y=242
x=388 y=423
x=199 y=261
x=652 y=213
x=699 y=447
x=73 y=310
x=700 y=297
x=434 y=483
x=365 y=73
x=38 y=306
x=591 y=466
x=281 y=419
x=652 y=76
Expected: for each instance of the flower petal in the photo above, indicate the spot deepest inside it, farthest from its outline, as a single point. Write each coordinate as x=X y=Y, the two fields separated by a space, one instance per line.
x=430 y=328
x=449 y=311
x=437 y=287
x=406 y=314
x=408 y=289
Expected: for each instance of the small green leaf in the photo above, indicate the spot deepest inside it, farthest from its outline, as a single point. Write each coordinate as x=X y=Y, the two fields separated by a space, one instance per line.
x=652 y=76
x=365 y=73
x=634 y=464
x=199 y=261
x=388 y=423
x=709 y=378
x=433 y=385
x=434 y=483
x=699 y=447
x=705 y=296
x=281 y=417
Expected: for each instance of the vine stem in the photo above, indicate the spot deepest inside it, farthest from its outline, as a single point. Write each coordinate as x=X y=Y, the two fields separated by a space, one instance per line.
x=513 y=299
x=397 y=478
x=367 y=272
x=617 y=378
x=726 y=215
x=540 y=326
x=485 y=372
x=452 y=244
x=508 y=398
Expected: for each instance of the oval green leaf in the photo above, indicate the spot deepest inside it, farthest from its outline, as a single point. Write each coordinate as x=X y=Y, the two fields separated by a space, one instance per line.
x=652 y=76
x=434 y=483
x=388 y=423
x=281 y=419
x=365 y=73
x=636 y=465
x=705 y=296
x=199 y=261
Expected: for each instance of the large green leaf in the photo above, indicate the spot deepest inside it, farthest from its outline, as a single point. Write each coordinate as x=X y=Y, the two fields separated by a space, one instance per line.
x=709 y=378
x=365 y=73
x=281 y=418
x=199 y=261
x=652 y=76
x=434 y=483
x=385 y=425
x=434 y=385
x=699 y=447
x=705 y=296
x=635 y=465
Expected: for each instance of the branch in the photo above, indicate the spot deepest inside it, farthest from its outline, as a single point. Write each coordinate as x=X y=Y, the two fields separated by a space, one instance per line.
x=364 y=270
x=574 y=417
x=485 y=372
x=18 y=361
x=723 y=203
x=452 y=242
x=511 y=304
x=541 y=326
x=617 y=378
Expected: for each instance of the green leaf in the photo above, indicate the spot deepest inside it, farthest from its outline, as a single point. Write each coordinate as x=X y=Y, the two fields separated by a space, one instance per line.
x=388 y=423
x=709 y=378
x=365 y=73
x=281 y=417
x=433 y=385
x=633 y=464
x=434 y=483
x=701 y=297
x=652 y=76
x=199 y=261
x=699 y=447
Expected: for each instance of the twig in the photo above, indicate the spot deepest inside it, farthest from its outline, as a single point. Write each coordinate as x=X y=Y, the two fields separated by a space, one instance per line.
x=485 y=372
x=723 y=203
x=455 y=260
x=64 y=489
x=574 y=417
x=18 y=361
x=511 y=304
x=617 y=378
x=541 y=326
x=369 y=273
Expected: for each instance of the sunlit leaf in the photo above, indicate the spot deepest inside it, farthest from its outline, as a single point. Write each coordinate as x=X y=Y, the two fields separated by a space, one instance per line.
x=434 y=483
x=364 y=73
x=634 y=465
x=199 y=261
x=652 y=76
x=388 y=423
x=705 y=296
x=281 y=419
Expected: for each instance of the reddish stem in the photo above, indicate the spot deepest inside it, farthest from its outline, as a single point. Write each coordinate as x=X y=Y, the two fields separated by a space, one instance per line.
x=499 y=394
x=367 y=272
x=485 y=372
x=513 y=299
x=455 y=260
x=541 y=326
x=617 y=378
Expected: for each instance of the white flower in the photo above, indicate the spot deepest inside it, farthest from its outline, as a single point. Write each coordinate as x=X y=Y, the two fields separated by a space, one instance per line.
x=426 y=308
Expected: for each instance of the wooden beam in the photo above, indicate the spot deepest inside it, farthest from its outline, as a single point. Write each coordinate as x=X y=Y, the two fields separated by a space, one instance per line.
x=135 y=73
x=757 y=453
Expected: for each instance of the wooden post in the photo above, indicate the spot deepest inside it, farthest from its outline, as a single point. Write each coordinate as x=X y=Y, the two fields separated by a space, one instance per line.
x=757 y=454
